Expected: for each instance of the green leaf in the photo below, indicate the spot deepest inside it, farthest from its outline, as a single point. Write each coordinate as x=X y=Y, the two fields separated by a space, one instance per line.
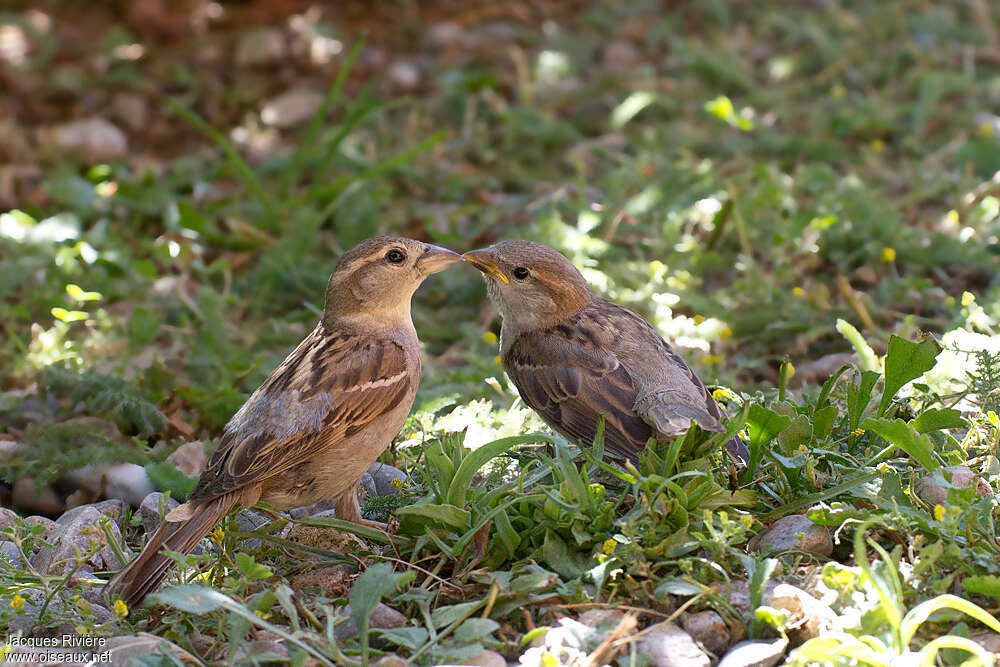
x=450 y=515
x=920 y=613
x=904 y=362
x=445 y=616
x=903 y=435
x=935 y=419
x=763 y=424
x=192 y=599
x=866 y=356
x=166 y=477
x=475 y=629
x=478 y=458
x=375 y=583
x=858 y=398
x=629 y=108
x=674 y=586
x=983 y=585
x=409 y=637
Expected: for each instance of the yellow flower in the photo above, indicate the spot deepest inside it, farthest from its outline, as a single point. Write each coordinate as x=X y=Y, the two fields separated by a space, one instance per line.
x=609 y=546
x=489 y=337
x=725 y=333
x=720 y=394
x=396 y=482
x=712 y=359
x=218 y=535
x=877 y=145
x=888 y=255
x=858 y=431
x=985 y=129
x=968 y=298
x=798 y=291
x=939 y=512
x=497 y=360
x=121 y=609
x=791 y=368
x=17 y=604
x=698 y=319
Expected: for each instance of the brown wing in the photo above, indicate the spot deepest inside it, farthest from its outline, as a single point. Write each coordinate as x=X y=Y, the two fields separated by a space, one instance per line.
x=329 y=387
x=570 y=381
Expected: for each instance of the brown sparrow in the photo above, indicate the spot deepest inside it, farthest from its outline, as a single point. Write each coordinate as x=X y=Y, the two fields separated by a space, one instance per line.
x=575 y=356
x=322 y=417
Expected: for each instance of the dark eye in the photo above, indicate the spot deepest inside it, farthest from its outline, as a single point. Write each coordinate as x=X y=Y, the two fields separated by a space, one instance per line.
x=521 y=273
x=396 y=256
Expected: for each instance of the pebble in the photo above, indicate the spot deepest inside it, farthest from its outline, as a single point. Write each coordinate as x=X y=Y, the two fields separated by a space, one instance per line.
x=390 y=661
x=366 y=487
x=291 y=108
x=153 y=508
x=603 y=619
x=404 y=74
x=114 y=509
x=796 y=532
x=130 y=649
x=486 y=658
x=384 y=617
x=708 y=629
x=755 y=653
x=669 y=646
x=90 y=139
x=48 y=524
x=189 y=458
x=261 y=46
x=129 y=482
x=28 y=497
x=132 y=109
x=78 y=532
x=807 y=617
x=260 y=652
x=931 y=490
x=11 y=555
x=384 y=474
x=7 y=518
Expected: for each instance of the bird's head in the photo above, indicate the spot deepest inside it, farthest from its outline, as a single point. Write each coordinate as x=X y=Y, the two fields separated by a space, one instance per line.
x=532 y=284
x=376 y=278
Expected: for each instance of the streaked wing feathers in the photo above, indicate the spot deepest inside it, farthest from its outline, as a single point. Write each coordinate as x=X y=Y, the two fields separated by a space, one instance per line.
x=330 y=386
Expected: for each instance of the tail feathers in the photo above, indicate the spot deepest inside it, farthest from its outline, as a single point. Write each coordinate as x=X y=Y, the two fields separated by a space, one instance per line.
x=145 y=573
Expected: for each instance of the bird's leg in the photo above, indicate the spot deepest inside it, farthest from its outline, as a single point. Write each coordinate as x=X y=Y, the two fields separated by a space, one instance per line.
x=348 y=509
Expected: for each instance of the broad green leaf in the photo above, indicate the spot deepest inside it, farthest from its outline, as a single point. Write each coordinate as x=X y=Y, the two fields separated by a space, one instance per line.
x=920 y=613
x=409 y=637
x=983 y=585
x=375 y=583
x=903 y=435
x=479 y=457
x=858 y=398
x=446 y=514
x=904 y=362
x=823 y=420
x=445 y=616
x=192 y=599
x=475 y=629
x=763 y=424
x=935 y=419
x=674 y=586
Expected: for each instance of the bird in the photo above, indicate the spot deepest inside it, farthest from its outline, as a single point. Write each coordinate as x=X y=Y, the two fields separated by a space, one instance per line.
x=575 y=357
x=321 y=418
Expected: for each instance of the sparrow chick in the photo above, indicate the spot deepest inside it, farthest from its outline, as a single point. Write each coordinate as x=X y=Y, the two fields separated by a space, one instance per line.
x=575 y=356
x=322 y=417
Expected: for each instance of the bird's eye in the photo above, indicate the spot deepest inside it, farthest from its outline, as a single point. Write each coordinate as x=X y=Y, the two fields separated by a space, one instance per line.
x=521 y=273
x=396 y=256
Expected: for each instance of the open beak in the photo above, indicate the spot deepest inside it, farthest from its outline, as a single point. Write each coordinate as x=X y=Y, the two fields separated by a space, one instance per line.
x=435 y=258
x=483 y=260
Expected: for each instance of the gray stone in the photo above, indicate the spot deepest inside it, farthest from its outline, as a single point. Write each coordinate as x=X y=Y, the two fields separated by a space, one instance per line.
x=114 y=509
x=129 y=482
x=7 y=519
x=708 y=629
x=153 y=508
x=602 y=619
x=383 y=617
x=9 y=449
x=261 y=46
x=486 y=658
x=755 y=653
x=79 y=535
x=796 y=532
x=291 y=108
x=131 y=109
x=48 y=524
x=366 y=487
x=807 y=617
x=189 y=458
x=315 y=508
x=30 y=498
x=384 y=474
x=91 y=139
x=738 y=593
x=257 y=652
x=251 y=520
x=404 y=74
x=933 y=488
x=669 y=646
x=11 y=555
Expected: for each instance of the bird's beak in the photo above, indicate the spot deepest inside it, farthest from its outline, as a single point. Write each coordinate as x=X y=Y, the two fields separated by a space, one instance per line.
x=435 y=258
x=483 y=260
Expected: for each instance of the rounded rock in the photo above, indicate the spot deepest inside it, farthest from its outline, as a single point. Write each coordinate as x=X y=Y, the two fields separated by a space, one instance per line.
x=793 y=532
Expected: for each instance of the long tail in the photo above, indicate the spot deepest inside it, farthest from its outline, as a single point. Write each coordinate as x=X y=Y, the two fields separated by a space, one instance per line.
x=147 y=570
